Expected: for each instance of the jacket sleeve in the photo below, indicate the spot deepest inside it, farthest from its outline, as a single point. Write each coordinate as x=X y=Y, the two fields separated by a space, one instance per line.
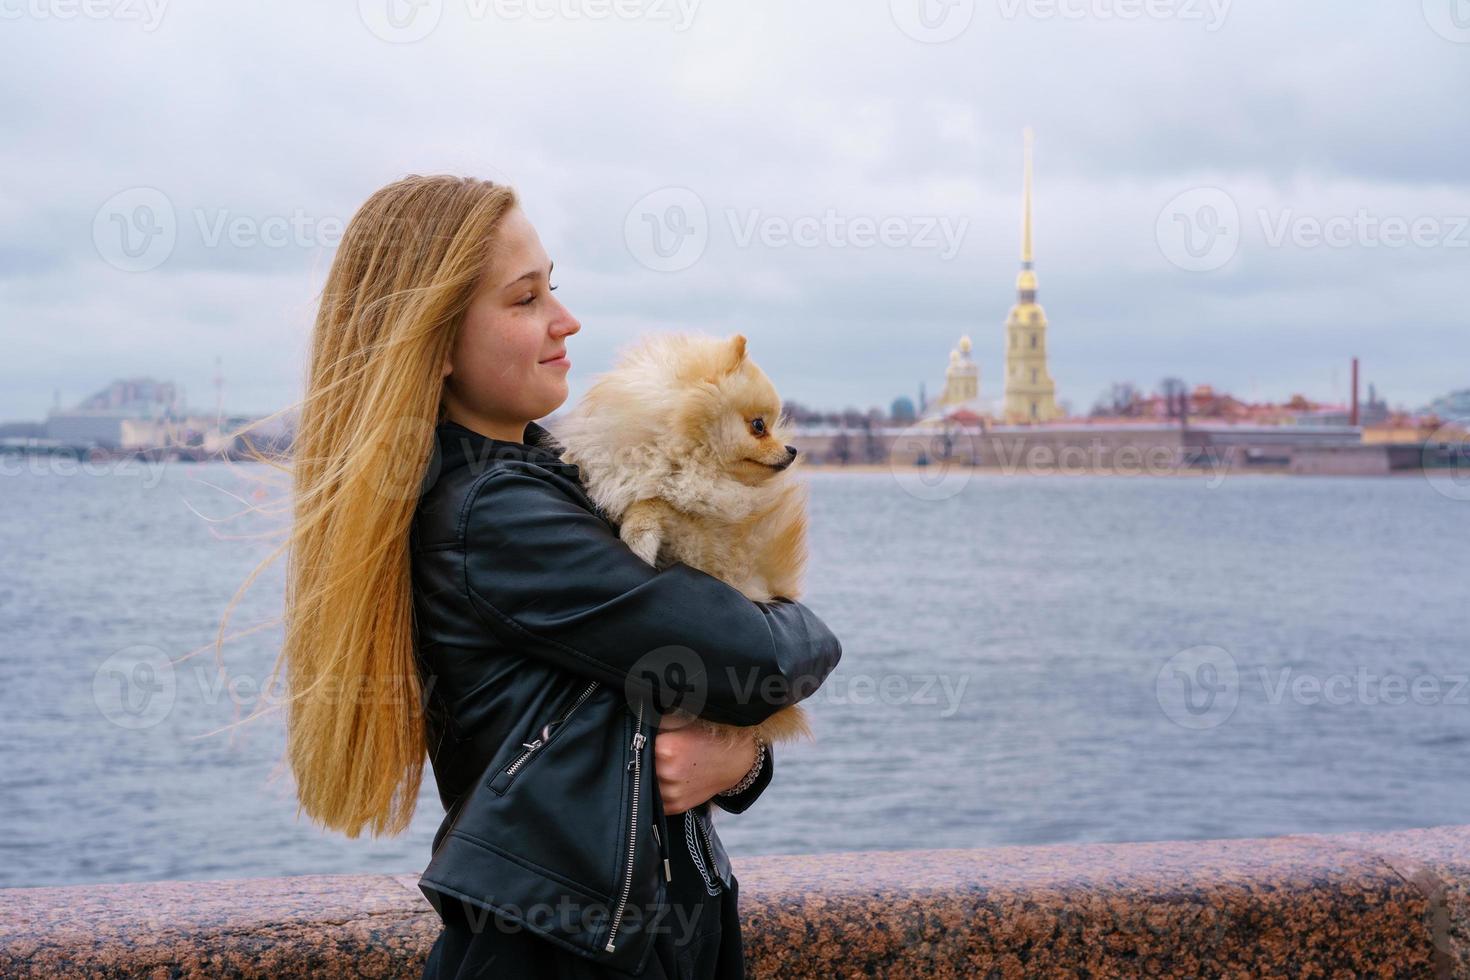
x=553 y=579
x=741 y=802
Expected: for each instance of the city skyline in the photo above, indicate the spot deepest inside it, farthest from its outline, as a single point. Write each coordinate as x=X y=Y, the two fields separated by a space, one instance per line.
x=851 y=209
x=958 y=388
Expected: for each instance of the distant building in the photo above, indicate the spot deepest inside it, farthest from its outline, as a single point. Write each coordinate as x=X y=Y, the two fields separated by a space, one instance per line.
x=1372 y=412
x=139 y=413
x=22 y=430
x=959 y=402
x=1030 y=393
x=105 y=419
x=961 y=378
x=1455 y=405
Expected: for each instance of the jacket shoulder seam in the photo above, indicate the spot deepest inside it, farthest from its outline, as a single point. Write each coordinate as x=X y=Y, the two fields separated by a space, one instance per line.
x=478 y=487
x=461 y=526
x=477 y=600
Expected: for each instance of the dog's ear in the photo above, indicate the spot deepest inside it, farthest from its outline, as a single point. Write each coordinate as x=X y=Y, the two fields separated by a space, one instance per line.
x=723 y=360
x=736 y=354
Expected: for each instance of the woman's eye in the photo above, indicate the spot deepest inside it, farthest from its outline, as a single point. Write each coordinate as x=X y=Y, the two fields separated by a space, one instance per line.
x=532 y=298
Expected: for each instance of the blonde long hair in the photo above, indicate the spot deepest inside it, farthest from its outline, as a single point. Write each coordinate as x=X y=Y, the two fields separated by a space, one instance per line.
x=399 y=285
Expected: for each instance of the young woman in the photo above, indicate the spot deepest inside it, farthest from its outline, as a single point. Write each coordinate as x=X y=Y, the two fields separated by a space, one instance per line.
x=452 y=591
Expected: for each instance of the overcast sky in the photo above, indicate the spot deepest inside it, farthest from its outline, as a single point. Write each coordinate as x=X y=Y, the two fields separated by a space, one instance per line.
x=1241 y=193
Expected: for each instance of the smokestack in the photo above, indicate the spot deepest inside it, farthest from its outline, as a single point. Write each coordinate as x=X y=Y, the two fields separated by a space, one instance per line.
x=1354 y=418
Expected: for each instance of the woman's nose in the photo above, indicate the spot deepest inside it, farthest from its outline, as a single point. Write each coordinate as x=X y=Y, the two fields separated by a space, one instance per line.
x=567 y=324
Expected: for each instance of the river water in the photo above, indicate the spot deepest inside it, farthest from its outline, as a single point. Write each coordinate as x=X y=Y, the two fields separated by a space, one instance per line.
x=1031 y=659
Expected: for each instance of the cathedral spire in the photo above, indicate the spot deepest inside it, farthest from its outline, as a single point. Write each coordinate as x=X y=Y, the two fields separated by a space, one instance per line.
x=1026 y=207
x=1026 y=281
x=1030 y=393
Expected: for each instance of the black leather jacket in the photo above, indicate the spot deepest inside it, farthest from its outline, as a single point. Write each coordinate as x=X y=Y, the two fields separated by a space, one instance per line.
x=542 y=643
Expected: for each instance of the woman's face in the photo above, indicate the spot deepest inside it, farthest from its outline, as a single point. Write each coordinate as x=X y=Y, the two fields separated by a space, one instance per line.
x=503 y=371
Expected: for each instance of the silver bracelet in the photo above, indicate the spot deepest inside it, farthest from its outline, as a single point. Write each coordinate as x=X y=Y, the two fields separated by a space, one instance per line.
x=750 y=777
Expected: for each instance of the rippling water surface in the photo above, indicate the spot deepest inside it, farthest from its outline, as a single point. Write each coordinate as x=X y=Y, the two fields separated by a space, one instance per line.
x=1031 y=660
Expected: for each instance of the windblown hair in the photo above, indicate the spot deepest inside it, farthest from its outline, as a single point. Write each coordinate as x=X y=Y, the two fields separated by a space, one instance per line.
x=402 y=278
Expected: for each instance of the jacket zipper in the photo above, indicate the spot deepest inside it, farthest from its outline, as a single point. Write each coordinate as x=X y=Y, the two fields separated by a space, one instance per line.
x=636 y=765
x=502 y=781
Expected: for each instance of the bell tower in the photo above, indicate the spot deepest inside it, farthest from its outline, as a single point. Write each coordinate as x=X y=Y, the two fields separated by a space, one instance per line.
x=1030 y=394
x=962 y=377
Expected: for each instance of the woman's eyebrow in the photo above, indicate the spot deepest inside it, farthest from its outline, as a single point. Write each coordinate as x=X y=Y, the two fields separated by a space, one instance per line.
x=533 y=274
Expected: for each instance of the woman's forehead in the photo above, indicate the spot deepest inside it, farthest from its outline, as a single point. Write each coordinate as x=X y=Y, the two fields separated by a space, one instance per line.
x=518 y=252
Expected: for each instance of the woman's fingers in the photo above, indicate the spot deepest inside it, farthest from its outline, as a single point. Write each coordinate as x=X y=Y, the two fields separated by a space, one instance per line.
x=693 y=764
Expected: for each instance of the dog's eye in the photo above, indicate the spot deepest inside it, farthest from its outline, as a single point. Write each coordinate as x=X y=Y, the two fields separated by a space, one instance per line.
x=758 y=426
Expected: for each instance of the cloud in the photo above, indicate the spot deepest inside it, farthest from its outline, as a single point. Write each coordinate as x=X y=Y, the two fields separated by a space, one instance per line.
x=264 y=131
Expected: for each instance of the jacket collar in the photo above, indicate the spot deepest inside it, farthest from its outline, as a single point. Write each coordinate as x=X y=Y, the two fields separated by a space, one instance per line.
x=457 y=445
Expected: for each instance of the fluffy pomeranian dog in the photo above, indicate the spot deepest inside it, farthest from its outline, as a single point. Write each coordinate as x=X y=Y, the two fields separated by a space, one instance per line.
x=682 y=445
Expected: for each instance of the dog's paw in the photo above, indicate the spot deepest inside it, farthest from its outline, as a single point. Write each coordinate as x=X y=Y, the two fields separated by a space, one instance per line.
x=644 y=545
x=642 y=529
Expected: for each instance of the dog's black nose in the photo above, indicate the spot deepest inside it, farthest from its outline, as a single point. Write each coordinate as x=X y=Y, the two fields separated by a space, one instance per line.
x=792 y=451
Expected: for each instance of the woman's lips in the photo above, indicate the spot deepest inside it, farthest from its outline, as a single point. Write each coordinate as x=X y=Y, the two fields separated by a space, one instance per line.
x=562 y=361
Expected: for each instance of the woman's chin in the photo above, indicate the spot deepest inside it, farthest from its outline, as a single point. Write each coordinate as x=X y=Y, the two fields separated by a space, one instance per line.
x=556 y=400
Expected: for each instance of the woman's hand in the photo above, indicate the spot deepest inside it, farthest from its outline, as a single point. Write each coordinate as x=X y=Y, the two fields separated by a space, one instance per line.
x=693 y=764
